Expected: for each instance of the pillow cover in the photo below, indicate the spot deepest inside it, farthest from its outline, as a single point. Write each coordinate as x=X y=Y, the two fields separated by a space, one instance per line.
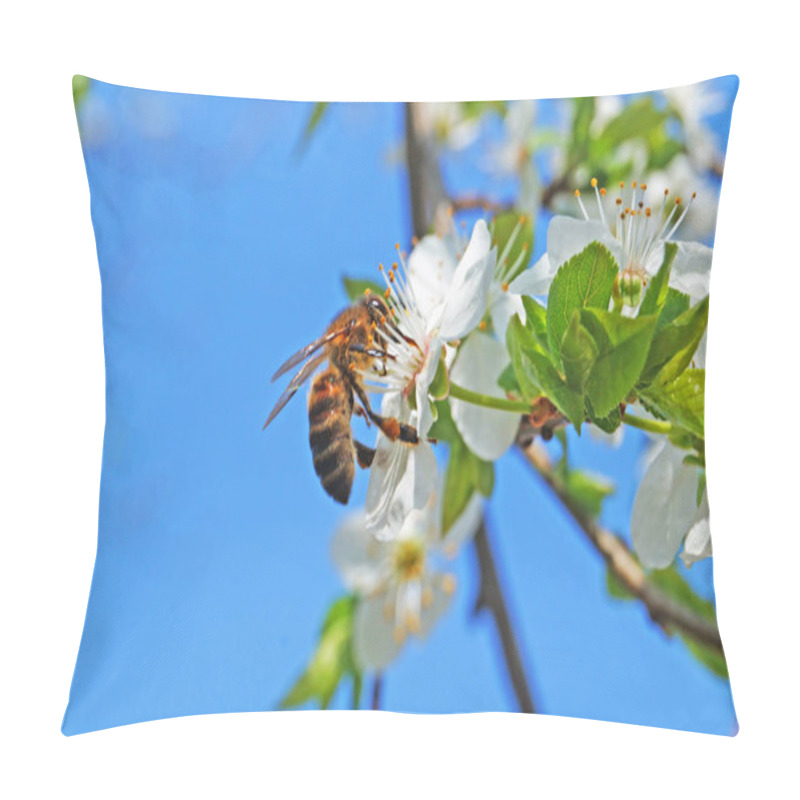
x=495 y=495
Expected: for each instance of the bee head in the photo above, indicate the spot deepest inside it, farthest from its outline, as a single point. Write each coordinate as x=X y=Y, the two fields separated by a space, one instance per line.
x=377 y=307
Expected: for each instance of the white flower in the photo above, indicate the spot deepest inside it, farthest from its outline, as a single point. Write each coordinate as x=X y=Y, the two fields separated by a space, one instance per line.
x=447 y=123
x=665 y=511
x=634 y=232
x=694 y=103
x=401 y=591
x=481 y=358
x=439 y=297
x=514 y=151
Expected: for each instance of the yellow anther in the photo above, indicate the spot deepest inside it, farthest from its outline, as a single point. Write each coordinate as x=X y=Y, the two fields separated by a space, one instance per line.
x=397 y=245
x=644 y=186
x=367 y=290
x=678 y=201
x=482 y=324
x=633 y=185
x=666 y=192
x=594 y=182
x=694 y=194
x=619 y=201
x=522 y=219
x=412 y=623
x=387 y=294
x=577 y=193
x=602 y=191
x=504 y=286
x=622 y=184
x=415 y=240
x=647 y=211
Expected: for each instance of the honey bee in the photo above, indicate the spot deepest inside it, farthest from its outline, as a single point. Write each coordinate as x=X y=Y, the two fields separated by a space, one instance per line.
x=351 y=345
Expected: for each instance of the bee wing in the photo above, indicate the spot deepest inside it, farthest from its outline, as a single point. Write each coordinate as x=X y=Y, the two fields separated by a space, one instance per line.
x=310 y=349
x=299 y=379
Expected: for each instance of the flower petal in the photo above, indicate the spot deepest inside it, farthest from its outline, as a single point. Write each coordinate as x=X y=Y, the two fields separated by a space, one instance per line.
x=431 y=266
x=691 y=269
x=502 y=307
x=362 y=560
x=698 y=541
x=664 y=508
x=374 y=642
x=440 y=602
x=468 y=292
x=566 y=237
x=486 y=431
x=537 y=279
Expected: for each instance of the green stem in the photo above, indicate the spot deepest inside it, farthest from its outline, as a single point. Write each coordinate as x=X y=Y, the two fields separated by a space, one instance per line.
x=649 y=425
x=487 y=401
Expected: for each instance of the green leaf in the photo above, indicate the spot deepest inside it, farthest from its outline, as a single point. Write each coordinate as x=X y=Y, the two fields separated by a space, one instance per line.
x=444 y=429
x=656 y=294
x=356 y=287
x=466 y=474
x=581 y=127
x=636 y=121
x=536 y=320
x=80 y=86
x=536 y=374
x=508 y=381
x=314 y=119
x=622 y=345
x=682 y=401
x=585 y=281
x=332 y=660
x=608 y=423
x=520 y=340
x=517 y=254
x=674 y=345
x=578 y=353
x=675 y=305
x=587 y=491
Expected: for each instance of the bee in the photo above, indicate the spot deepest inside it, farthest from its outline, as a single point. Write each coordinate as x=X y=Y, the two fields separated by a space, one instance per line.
x=350 y=345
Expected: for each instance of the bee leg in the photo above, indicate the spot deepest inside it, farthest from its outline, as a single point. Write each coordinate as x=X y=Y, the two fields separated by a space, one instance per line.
x=360 y=412
x=369 y=351
x=392 y=428
x=364 y=454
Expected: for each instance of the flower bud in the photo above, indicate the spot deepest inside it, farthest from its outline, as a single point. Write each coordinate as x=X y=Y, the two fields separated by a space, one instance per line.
x=630 y=288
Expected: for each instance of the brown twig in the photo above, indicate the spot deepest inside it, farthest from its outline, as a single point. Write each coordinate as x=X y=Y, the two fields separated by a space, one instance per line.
x=491 y=599
x=662 y=609
x=377 y=687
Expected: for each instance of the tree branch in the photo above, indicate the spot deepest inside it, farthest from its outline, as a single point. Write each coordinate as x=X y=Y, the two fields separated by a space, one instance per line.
x=428 y=198
x=662 y=609
x=490 y=598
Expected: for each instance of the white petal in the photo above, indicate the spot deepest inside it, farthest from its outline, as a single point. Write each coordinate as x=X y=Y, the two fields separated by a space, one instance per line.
x=362 y=560
x=502 y=307
x=536 y=280
x=414 y=490
x=698 y=541
x=691 y=269
x=566 y=237
x=374 y=642
x=487 y=431
x=424 y=379
x=431 y=266
x=388 y=466
x=665 y=505
x=466 y=298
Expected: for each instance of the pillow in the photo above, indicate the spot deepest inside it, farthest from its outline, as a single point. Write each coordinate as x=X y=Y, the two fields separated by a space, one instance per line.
x=495 y=497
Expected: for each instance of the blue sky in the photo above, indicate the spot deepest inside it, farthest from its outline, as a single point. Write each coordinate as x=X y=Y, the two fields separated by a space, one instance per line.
x=223 y=251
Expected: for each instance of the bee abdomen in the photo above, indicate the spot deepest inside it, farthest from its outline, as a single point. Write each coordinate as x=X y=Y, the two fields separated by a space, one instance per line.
x=330 y=437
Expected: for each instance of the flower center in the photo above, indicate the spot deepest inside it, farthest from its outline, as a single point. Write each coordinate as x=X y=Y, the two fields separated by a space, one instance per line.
x=408 y=560
x=638 y=227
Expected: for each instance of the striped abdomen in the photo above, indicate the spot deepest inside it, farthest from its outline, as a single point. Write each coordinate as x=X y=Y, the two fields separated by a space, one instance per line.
x=330 y=406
